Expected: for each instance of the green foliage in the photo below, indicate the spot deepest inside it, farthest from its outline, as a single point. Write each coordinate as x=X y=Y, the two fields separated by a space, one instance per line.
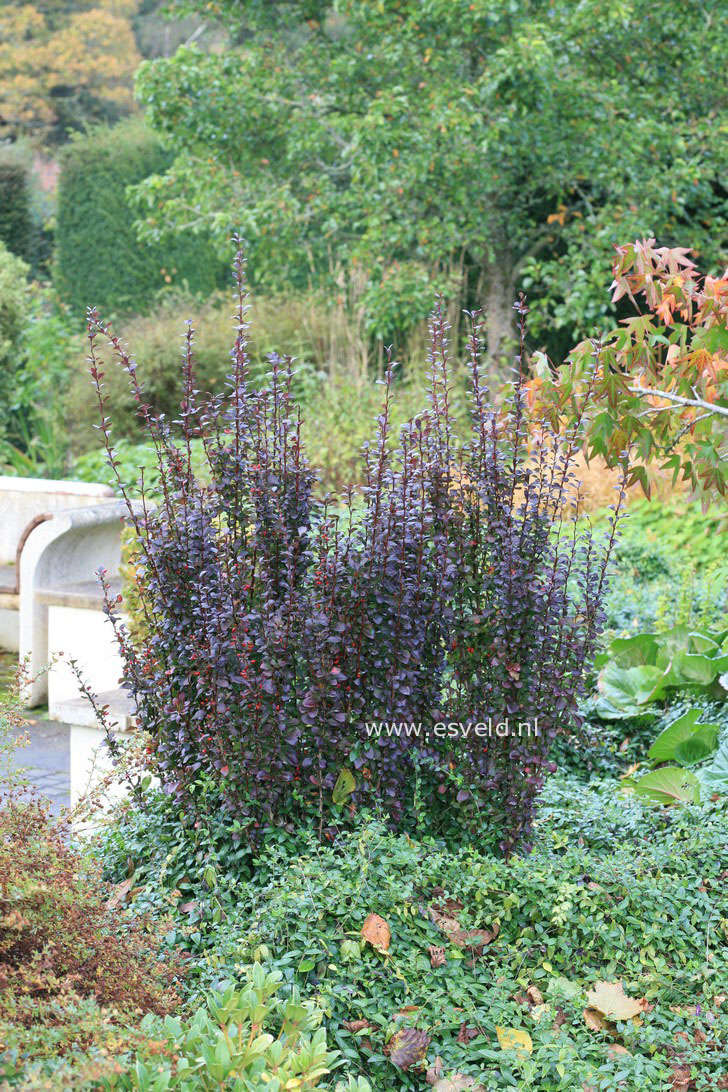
x=37 y=440
x=670 y=566
x=133 y=459
x=15 y=219
x=614 y=889
x=688 y=741
x=672 y=742
x=714 y=776
x=500 y=141
x=669 y=785
x=228 y=1044
x=245 y=1039
x=99 y=260
x=338 y=398
x=640 y=670
x=14 y=306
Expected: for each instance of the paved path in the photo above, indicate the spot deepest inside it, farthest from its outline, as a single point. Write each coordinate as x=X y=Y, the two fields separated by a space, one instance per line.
x=46 y=760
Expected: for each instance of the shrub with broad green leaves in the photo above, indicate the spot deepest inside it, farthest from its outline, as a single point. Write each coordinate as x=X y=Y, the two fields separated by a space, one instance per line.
x=247 y=1039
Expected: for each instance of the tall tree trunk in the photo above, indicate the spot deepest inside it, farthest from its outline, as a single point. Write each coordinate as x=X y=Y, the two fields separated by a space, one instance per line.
x=499 y=297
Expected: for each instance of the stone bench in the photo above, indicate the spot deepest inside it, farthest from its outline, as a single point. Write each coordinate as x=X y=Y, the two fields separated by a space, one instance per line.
x=89 y=757
x=60 y=610
x=26 y=503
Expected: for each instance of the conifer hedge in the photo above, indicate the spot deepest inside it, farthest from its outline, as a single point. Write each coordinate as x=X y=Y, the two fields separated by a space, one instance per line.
x=16 y=228
x=99 y=260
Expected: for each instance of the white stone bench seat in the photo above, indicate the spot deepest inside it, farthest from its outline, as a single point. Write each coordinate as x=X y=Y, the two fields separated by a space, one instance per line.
x=61 y=601
x=26 y=503
x=89 y=758
x=82 y=594
x=79 y=711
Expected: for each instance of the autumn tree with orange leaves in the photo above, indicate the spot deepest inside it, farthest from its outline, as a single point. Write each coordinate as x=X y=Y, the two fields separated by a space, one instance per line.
x=63 y=65
x=658 y=382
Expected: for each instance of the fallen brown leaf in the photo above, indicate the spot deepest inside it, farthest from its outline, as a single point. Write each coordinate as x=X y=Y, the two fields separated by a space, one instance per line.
x=682 y=1079
x=407 y=1047
x=594 y=1020
x=121 y=892
x=466 y=1034
x=437 y=956
x=475 y=939
x=534 y=995
x=435 y=1071
x=444 y=916
x=458 y=1083
x=376 y=931
x=356 y=1025
x=611 y=1001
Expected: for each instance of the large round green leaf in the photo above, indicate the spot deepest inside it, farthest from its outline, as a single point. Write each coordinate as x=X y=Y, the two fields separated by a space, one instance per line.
x=639 y=648
x=698 y=747
x=663 y=749
x=692 y=667
x=627 y=688
x=670 y=785
x=676 y=741
x=714 y=778
x=703 y=642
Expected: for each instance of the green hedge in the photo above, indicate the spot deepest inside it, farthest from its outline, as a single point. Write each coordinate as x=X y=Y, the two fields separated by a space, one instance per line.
x=16 y=229
x=99 y=260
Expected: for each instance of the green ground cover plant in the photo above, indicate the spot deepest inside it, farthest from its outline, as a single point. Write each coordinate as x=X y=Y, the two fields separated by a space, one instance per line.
x=615 y=890
x=671 y=567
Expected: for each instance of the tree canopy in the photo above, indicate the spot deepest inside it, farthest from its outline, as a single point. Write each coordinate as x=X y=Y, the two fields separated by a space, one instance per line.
x=439 y=142
x=63 y=64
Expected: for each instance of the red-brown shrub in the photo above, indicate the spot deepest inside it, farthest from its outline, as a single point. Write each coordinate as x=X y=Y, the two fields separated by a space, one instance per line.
x=60 y=937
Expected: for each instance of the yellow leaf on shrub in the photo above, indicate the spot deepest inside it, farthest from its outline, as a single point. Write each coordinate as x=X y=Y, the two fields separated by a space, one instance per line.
x=514 y=1039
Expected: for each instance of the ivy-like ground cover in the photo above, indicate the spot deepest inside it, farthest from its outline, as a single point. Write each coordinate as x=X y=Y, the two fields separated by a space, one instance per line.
x=614 y=891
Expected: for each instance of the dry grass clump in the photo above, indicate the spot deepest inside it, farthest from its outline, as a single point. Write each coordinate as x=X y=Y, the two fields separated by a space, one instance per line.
x=599 y=483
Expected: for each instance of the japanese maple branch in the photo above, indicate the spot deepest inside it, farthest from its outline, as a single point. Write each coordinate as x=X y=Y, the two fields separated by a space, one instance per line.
x=721 y=411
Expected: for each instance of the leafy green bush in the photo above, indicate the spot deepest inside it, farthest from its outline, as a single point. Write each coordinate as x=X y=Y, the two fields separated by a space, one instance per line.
x=228 y=1044
x=338 y=398
x=99 y=261
x=38 y=441
x=246 y=1038
x=15 y=218
x=689 y=740
x=14 y=305
x=671 y=567
x=613 y=890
